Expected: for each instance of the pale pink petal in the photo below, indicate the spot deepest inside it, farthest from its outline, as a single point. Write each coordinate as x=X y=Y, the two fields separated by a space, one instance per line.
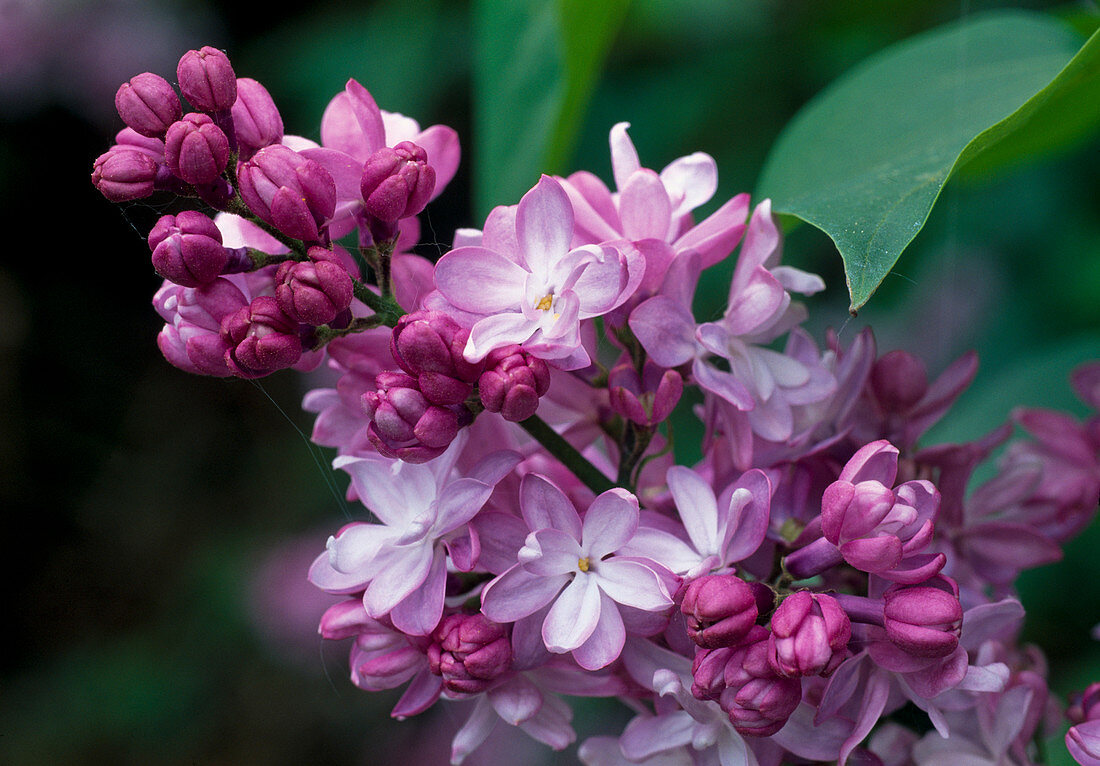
x=518 y=593
x=420 y=695
x=573 y=616
x=237 y=232
x=398 y=127
x=405 y=569
x=632 y=584
x=644 y=207
x=393 y=491
x=664 y=548
x=565 y=329
x=354 y=549
x=604 y=282
x=697 y=507
x=594 y=217
x=691 y=181
x=496 y=332
x=476 y=730
x=499 y=233
x=480 y=280
x=748 y=520
x=516 y=700
x=646 y=736
x=332 y=580
x=352 y=123
x=500 y=535
x=550 y=725
x=345 y=170
x=624 y=157
x=666 y=330
x=544 y=225
x=441 y=144
x=550 y=552
x=759 y=299
x=877 y=461
x=722 y=384
x=544 y=506
x=609 y=522
x=798 y=281
x=419 y=612
x=716 y=236
x=762 y=241
x=605 y=644
x=460 y=502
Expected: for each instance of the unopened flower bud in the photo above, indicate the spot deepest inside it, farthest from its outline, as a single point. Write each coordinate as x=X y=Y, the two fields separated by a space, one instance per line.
x=344 y=620
x=708 y=672
x=719 y=610
x=645 y=400
x=924 y=620
x=256 y=120
x=397 y=182
x=148 y=104
x=123 y=174
x=469 y=652
x=187 y=249
x=262 y=339
x=810 y=634
x=192 y=339
x=428 y=345
x=292 y=193
x=404 y=424
x=207 y=79
x=757 y=699
x=313 y=292
x=899 y=380
x=512 y=383
x=196 y=149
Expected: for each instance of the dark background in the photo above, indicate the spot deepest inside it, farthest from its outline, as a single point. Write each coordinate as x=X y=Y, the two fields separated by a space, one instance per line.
x=157 y=526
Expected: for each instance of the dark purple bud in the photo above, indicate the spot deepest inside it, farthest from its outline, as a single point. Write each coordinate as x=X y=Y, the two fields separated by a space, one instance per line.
x=207 y=79
x=256 y=121
x=397 y=182
x=708 y=672
x=404 y=424
x=719 y=610
x=469 y=652
x=148 y=104
x=810 y=634
x=757 y=699
x=924 y=620
x=899 y=380
x=512 y=383
x=646 y=400
x=187 y=249
x=313 y=292
x=292 y=193
x=428 y=345
x=196 y=149
x=123 y=174
x=262 y=339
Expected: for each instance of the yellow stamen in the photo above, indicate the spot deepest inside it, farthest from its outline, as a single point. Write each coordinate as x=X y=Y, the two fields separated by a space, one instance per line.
x=582 y=564
x=545 y=303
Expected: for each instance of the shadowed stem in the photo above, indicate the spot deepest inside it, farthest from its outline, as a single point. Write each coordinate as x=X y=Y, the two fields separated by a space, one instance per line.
x=557 y=446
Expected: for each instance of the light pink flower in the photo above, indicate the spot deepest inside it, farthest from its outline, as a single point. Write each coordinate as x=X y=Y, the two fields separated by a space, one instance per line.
x=571 y=565
x=525 y=286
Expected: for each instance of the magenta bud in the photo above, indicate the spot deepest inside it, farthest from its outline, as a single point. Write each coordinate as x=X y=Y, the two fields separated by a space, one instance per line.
x=469 y=652
x=207 y=79
x=344 y=620
x=187 y=249
x=262 y=339
x=148 y=104
x=645 y=400
x=924 y=620
x=757 y=699
x=292 y=193
x=899 y=380
x=512 y=383
x=404 y=424
x=397 y=182
x=719 y=610
x=123 y=174
x=428 y=345
x=708 y=672
x=810 y=634
x=192 y=338
x=313 y=292
x=256 y=121
x=196 y=149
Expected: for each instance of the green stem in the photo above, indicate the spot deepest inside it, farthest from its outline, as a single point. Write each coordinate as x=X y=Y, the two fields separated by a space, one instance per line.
x=324 y=333
x=387 y=308
x=557 y=446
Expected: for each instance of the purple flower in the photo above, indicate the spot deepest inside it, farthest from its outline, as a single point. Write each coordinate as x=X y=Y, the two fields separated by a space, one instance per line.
x=291 y=192
x=512 y=383
x=187 y=249
x=924 y=620
x=528 y=288
x=313 y=292
x=195 y=149
x=401 y=562
x=148 y=104
x=256 y=120
x=122 y=174
x=570 y=565
x=469 y=652
x=810 y=634
x=262 y=339
x=207 y=79
x=719 y=610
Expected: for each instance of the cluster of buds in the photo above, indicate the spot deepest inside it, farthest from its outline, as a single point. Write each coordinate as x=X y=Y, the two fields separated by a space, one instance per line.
x=503 y=414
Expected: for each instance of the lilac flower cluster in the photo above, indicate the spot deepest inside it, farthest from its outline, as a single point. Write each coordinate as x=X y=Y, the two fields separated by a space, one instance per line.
x=501 y=414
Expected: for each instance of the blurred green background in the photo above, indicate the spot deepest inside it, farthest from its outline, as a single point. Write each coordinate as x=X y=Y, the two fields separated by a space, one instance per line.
x=158 y=526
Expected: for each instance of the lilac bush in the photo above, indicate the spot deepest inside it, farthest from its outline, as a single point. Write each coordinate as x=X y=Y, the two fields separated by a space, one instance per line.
x=502 y=416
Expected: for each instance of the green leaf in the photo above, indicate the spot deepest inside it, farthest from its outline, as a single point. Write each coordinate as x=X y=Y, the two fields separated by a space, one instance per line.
x=867 y=158
x=535 y=67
